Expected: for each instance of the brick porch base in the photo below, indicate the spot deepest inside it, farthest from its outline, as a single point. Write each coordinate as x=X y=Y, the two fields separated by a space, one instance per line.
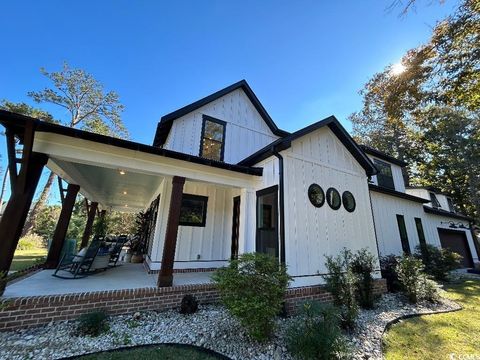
x=33 y=311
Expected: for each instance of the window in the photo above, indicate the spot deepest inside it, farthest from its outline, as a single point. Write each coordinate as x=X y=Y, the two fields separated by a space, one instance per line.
x=333 y=198
x=267 y=221
x=213 y=138
x=451 y=207
x=194 y=210
x=434 y=200
x=421 y=234
x=403 y=234
x=316 y=195
x=384 y=176
x=348 y=201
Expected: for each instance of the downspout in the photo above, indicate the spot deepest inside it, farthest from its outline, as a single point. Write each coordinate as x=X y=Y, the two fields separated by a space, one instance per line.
x=476 y=245
x=282 y=203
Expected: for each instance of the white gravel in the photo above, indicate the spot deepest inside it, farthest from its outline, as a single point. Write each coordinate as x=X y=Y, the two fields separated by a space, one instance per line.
x=211 y=327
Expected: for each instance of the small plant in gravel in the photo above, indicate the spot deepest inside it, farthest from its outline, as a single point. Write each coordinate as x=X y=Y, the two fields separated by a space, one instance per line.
x=93 y=324
x=316 y=333
x=252 y=288
x=189 y=304
x=415 y=283
x=438 y=262
x=388 y=266
x=363 y=265
x=341 y=282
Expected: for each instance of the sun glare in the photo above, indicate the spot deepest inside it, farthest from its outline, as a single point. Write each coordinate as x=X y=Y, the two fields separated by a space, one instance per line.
x=398 y=68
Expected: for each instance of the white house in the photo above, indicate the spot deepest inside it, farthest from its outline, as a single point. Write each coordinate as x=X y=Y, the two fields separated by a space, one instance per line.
x=222 y=179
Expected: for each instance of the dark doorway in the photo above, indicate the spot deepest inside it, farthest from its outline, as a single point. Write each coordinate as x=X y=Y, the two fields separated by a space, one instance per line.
x=457 y=241
x=235 y=226
x=267 y=221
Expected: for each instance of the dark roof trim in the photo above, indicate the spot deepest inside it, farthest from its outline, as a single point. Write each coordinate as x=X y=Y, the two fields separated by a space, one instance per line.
x=165 y=124
x=381 y=155
x=16 y=123
x=398 y=194
x=445 y=213
x=337 y=129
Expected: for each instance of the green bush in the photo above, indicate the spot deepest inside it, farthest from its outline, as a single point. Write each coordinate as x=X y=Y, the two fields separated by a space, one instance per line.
x=316 y=333
x=341 y=282
x=252 y=288
x=438 y=262
x=30 y=242
x=415 y=283
x=363 y=265
x=388 y=265
x=93 y=324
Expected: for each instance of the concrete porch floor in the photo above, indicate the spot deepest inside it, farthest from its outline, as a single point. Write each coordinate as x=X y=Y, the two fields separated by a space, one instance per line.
x=124 y=276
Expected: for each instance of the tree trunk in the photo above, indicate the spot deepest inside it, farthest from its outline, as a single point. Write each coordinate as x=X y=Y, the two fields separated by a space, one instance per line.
x=40 y=203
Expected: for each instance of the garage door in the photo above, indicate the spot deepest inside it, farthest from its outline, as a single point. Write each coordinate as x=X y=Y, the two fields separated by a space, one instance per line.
x=457 y=242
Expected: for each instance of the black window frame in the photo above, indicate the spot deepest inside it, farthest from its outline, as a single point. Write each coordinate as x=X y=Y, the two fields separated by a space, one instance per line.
x=311 y=189
x=402 y=229
x=420 y=232
x=383 y=180
x=206 y=118
x=332 y=189
x=451 y=205
x=202 y=198
x=434 y=200
x=344 y=195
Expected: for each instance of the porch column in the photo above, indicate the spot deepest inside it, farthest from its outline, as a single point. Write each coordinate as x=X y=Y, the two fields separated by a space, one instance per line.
x=16 y=211
x=247 y=231
x=165 y=278
x=91 y=211
x=62 y=226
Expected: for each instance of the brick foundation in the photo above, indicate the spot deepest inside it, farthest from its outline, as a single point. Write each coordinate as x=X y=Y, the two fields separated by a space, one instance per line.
x=33 y=311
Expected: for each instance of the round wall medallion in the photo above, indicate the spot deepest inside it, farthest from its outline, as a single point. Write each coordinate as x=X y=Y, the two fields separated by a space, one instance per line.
x=316 y=195
x=333 y=198
x=348 y=201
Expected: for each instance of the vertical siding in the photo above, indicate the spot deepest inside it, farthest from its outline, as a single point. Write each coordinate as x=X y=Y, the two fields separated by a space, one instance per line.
x=246 y=131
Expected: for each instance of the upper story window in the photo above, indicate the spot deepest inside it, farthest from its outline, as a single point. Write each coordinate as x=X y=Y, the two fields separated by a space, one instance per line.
x=212 y=144
x=434 y=200
x=384 y=176
x=451 y=207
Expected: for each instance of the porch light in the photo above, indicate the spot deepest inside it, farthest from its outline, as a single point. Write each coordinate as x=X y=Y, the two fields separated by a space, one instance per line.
x=122 y=172
x=124 y=193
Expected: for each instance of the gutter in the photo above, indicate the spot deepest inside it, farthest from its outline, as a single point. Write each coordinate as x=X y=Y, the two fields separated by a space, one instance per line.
x=282 y=204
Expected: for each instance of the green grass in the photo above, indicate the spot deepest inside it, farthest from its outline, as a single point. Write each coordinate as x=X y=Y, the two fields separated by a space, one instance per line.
x=23 y=259
x=160 y=352
x=438 y=336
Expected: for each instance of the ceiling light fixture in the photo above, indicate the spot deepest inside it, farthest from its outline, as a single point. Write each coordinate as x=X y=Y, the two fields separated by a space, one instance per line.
x=124 y=193
x=122 y=172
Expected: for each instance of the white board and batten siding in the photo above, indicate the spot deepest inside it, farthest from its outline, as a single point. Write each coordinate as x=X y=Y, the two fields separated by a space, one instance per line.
x=397 y=175
x=312 y=233
x=246 y=131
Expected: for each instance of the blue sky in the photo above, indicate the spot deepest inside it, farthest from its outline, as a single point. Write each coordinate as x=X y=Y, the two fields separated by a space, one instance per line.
x=305 y=60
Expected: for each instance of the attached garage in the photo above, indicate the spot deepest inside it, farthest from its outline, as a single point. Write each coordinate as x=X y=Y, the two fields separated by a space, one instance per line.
x=457 y=241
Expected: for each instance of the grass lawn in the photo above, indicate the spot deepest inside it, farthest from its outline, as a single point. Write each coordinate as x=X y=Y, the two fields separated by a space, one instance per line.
x=157 y=352
x=25 y=258
x=438 y=336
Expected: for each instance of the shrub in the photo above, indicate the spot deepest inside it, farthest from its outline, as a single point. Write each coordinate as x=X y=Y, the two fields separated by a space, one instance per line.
x=363 y=265
x=189 y=305
x=30 y=242
x=341 y=283
x=93 y=324
x=316 y=333
x=388 y=265
x=409 y=270
x=252 y=288
x=438 y=262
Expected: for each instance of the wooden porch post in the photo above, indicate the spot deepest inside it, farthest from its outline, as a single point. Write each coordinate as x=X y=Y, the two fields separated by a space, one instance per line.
x=17 y=208
x=92 y=210
x=165 y=278
x=62 y=226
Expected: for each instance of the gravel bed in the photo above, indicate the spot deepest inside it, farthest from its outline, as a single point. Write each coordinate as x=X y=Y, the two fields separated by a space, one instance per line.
x=211 y=327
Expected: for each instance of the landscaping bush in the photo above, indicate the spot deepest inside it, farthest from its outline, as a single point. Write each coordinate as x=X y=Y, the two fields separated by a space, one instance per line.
x=363 y=265
x=93 y=324
x=189 y=305
x=30 y=242
x=438 y=262
x=316 y=333
x=252 y=288
x=415 y=283
x=388 y=265
x=341 y=283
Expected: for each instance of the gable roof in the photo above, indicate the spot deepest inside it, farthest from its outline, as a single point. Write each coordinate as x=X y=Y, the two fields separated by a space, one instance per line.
x=337 y=129
x=384 y=156
x=165 y=124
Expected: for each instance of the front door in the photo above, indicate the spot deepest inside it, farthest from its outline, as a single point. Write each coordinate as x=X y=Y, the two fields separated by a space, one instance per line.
x=267 y=221
x=235 y=226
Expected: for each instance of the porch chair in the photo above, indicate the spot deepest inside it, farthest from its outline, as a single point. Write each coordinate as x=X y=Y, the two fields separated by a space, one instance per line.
x=117 y=248
x=78 y=265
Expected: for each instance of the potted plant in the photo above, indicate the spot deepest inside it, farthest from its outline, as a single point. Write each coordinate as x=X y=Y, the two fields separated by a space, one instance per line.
x=136 y=250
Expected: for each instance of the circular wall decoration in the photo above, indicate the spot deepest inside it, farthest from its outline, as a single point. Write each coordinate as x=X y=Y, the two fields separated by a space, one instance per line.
x=348 y=201
x=316 y=195
x=333 y=198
